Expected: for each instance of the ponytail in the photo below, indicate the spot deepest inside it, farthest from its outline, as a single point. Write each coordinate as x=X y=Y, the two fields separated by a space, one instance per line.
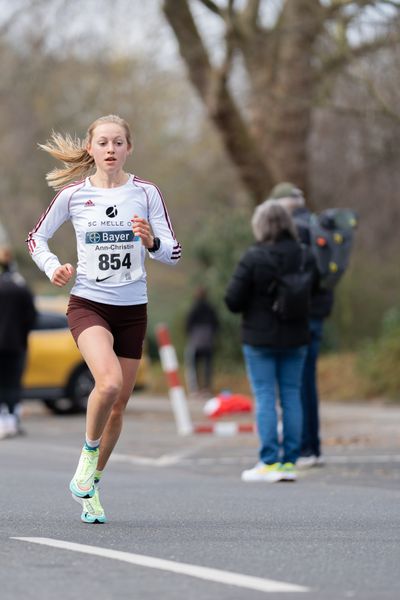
x=78 y=163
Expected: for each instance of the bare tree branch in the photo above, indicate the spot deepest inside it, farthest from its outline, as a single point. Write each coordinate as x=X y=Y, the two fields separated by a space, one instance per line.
x=6 y=26
x=337 y=6
x=213 y=7
x=190 y=44
x=353 y=111
x=383 y=106
x=251 y=12
x=336 y=62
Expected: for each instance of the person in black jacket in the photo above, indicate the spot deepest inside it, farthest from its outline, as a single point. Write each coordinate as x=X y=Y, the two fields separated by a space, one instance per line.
x=17 y=316
x=201 y=329
x=274 y=348
x=292 y=199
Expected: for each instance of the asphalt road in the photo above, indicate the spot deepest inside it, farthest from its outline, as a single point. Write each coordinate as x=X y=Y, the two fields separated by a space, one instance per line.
x=333 y=534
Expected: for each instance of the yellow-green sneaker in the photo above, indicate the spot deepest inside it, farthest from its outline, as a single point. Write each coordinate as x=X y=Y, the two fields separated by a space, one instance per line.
x=263 y=472
x=82 y=483
x=288 y=472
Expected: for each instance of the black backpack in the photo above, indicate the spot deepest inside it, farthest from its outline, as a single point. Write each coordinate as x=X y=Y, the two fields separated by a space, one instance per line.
x=331 y=236
x=291 y=292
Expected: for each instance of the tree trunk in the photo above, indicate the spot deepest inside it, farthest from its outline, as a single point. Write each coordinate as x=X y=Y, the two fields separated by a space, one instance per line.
x=281 y=73
x=293 y=91
x=211 y=85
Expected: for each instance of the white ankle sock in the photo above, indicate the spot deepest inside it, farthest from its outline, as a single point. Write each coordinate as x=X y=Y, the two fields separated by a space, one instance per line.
x=92 y=443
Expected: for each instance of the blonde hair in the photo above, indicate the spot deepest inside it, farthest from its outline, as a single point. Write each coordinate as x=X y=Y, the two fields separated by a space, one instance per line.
x=72 y=152
x=271 y=221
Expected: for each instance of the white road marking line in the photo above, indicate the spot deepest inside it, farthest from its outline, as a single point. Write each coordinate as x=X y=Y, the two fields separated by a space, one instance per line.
x=165 y=460
x=226 y=577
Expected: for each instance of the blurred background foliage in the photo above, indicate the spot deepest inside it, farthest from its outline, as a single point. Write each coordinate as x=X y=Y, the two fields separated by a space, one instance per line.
x=379 y=359
x=82 y=60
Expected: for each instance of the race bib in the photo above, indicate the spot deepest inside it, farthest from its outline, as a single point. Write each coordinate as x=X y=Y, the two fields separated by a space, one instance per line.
x=113 y=257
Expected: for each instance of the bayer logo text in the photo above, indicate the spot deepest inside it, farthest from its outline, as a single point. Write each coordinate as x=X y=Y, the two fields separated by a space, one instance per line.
x=94 y=237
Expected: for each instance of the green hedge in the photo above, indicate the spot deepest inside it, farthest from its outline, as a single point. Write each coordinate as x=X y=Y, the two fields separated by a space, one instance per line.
x=379 y=359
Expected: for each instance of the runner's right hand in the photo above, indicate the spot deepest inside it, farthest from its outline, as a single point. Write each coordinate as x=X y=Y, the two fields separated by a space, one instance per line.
x=62 y=275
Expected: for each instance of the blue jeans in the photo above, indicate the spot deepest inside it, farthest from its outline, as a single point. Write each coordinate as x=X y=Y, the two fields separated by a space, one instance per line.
x=269 y=369
x=310 y=444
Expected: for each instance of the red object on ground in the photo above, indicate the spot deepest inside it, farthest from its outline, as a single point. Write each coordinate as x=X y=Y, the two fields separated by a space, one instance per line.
x=226 y=403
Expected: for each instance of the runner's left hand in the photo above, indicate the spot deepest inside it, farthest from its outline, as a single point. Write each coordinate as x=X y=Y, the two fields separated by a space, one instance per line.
x=142 y=229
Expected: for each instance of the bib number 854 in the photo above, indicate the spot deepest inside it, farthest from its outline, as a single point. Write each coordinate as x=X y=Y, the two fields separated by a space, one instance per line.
x=114 y=261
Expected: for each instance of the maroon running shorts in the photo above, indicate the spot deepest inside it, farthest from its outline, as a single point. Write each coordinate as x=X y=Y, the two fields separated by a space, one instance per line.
x=126 y=323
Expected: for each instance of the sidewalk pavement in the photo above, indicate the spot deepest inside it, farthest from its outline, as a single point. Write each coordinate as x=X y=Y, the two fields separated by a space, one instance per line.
x=149 y=418
x=369 y=423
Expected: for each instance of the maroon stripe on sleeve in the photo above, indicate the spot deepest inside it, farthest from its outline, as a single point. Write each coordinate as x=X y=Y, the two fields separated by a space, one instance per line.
x=138 y=181
x=31 y=245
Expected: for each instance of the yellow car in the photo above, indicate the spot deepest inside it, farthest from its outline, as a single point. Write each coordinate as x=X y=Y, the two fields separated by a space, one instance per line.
x=55 y=371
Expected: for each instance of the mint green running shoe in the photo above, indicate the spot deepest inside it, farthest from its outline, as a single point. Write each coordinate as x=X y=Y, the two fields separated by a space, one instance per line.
x=93 y=511
x=82 y=483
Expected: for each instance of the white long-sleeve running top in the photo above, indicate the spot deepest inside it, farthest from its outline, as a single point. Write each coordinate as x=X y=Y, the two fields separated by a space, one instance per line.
x=111 y=258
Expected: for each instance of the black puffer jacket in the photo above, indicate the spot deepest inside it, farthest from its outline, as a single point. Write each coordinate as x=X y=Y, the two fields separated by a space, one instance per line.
x=17 y=312
x=248 y=293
